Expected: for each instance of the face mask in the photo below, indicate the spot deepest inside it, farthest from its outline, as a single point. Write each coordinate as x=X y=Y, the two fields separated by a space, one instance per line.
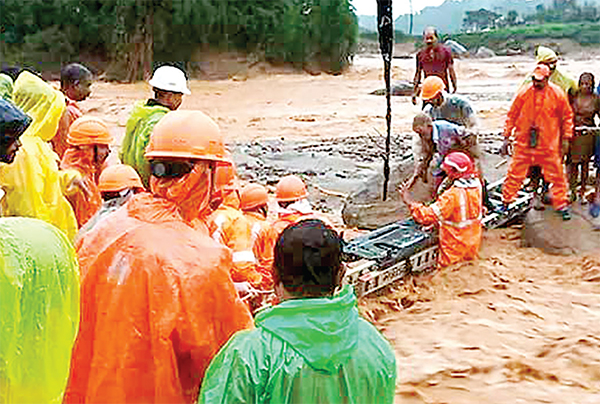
x=191 y=192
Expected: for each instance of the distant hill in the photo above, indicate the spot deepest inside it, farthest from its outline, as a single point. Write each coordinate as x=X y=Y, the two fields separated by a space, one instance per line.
x=448 y=16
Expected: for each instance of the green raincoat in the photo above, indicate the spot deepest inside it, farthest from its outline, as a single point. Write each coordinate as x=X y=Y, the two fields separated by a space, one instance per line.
x=6 y=86
x=39 y=306
x=137 y=136
x=304 y=351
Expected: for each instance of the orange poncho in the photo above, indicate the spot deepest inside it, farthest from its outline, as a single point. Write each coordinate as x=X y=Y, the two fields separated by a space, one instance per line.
x=157 y=299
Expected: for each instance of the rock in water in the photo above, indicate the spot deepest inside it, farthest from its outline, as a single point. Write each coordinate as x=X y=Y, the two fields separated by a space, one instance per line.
x=400 y=88
x=484 y=53
x=546 y=230
x=456 y=48
x=365 y=208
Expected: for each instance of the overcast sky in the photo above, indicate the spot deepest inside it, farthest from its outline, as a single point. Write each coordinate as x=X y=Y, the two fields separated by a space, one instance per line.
x=369 y=7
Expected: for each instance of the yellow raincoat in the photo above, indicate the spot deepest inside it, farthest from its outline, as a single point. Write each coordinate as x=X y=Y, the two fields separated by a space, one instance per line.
x=33 y=183
x=565 y=82
x=39 y=302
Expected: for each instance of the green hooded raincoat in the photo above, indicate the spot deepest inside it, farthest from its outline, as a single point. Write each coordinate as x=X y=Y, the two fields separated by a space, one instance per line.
x=304 y=351
x=39 y=306
x=137 y=136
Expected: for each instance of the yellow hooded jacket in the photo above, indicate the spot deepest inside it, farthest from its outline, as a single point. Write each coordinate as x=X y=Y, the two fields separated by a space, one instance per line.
x=33 y=183
x=565 y=82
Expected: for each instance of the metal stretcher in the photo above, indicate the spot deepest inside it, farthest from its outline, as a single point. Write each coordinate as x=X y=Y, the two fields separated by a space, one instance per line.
x=390 y=253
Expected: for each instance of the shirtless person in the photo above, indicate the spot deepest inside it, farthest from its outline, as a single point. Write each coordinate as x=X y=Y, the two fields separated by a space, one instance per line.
x=586 y=106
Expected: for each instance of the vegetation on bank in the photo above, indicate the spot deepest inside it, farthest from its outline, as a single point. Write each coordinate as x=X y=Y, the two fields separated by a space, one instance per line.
x=516 y=37
x=134 y=35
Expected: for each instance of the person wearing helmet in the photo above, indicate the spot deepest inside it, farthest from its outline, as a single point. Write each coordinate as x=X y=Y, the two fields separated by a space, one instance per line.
x=33 y=183
x=39 y=301
x=254 y=200
x=292 y=202
x=89 y=142
x=436 y=60
x=541 y=121
x=450 y=107
x=457 y=212
x=547 y=57
x=228 y=226
x=437 y=139
x=156 y=291
x=75 y=84
x=117 y=184
x=169 y=85
x=313 y=347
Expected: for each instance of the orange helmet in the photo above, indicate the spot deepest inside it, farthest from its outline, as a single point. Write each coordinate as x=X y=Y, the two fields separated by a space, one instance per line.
x=432 y=86
x=290 y=188
x=253 y=195
x=458 y=165
x=87 y=131
x=118 y=177
x=188 y=135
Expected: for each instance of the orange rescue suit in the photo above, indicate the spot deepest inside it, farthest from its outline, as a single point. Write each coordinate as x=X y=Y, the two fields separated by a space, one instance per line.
x=157 y=305
x=458 y=213
x=82 y=160
x=262 y=247
x=549 y=111
x=228 y=226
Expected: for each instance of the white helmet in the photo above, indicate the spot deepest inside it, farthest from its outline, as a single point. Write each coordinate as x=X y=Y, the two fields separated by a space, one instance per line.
x=169 y=78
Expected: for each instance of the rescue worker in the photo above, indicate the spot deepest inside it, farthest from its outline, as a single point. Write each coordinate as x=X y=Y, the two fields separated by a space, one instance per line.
x=228 y=226
x=434 y=59
x=313 y=347
x=254 y=200
x=443 y=106
x=586 y=107
x=437 y=140
x=89 y=140
x=292 y=202
x=33 y=184
x=542 y=122
x=75 y=84
x=39 y=302
x=157 y=298
x=13 y=123
x=457 y=211
x=117 y=184
x=169 y=85
x=547 y=57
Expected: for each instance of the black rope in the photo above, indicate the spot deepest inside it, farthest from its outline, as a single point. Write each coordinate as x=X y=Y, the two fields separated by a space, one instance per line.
x=385 y=26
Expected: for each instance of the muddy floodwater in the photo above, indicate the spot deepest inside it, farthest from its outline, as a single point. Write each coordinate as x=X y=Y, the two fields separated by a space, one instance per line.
x=517 y=326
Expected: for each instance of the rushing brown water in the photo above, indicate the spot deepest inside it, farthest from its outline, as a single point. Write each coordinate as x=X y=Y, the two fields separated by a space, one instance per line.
x=517 y=326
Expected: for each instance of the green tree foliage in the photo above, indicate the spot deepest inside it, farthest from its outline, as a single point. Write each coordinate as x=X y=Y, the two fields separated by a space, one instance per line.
x=511 y=17
x=565 y=11
x=480 y=19
x=137 y=33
